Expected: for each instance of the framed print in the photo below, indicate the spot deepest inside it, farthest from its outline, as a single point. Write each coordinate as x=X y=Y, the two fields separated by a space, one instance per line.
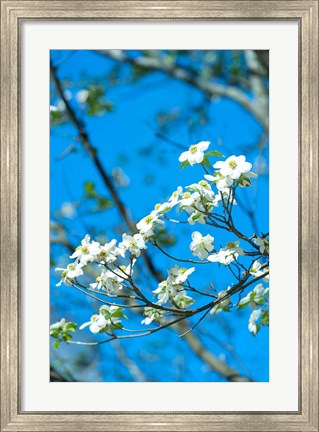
x=157 y=160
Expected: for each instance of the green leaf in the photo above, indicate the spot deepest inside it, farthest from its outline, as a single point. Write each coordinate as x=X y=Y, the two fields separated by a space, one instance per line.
x=214 y=153
x=71 y=327
x=242 y=306
x=89 y=186
x=89 y=190
x=196 y=216
x=206 y=162
x=56 y=344
x=118 y=314
x=184 y=164
x=165 y=238
x=104 y=203
x=54 y=333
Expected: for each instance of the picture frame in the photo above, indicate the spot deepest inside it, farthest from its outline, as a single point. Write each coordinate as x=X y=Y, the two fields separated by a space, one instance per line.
x=12 y=15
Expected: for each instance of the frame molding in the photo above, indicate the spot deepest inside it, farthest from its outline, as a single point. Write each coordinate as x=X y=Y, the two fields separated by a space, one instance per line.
x=14 y=12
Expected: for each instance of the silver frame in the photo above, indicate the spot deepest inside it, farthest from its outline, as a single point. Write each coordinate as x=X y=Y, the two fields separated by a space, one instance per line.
x=306 y=14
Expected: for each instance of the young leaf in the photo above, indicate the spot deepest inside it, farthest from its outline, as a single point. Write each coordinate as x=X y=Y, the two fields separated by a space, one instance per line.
x=214 y=153
x=184 y=164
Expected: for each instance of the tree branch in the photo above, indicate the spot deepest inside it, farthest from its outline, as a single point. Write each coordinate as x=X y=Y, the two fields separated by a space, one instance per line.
x=211 y=89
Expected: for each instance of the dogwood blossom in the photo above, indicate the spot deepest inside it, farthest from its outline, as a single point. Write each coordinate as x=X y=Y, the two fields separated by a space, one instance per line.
x=152 y=314
x=253 y=327
x=108 y=281
x=82 y=96
x=201 y=246
x=163 y=292
x=263 y=244
x=133 y=244
x=182 y=300
x=107 y=319
x=256 y=270
x=178 y=275
x=222 y=305
x=227 y=254
x=147 y=224
x=69 y=273
x=174 y=198
x=254 y=298
x=195 y=153
x=221 y=182
x=61 y=331
x=204 y=189
x=234 y=167
x=59 y=325
x=87 y=252
x=108 y=253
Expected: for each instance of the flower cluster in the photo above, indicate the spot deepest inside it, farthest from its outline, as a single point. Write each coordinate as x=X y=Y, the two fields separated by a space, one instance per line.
x=233 y=169
x=228 y=254
x=107 y=319
x=254 y=299
x=199 y=202
x=61 y=331
x=221 y=305
x=171 y=290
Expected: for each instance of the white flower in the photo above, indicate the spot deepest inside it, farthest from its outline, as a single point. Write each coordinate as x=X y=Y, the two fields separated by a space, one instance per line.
x=163 y=292
x=220 y=181
x=227 y=254
x=177 y=275
x=182 y=300
x=163 y=208
x=201 y=246
x=189 y=200
x=223 y=304
x=68 y=210
x=253 y=327
x=108 y=318
x=195 y=153
x=197 y=216
x=204 y=189
x=134 y=244
x=87 y=252
x=107 y=281
x=124 y=272
x=255 y=297
x=234 y=167
x=174 y=198
x=58 y=325
x=152 y=314
x=69 y=273
x=82 y=96
x=255 y=270
x=108 y=253
x=263 y=244
x=146 y=225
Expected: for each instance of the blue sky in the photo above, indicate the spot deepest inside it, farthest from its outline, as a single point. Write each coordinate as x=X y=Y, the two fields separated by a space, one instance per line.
x=126 y=138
